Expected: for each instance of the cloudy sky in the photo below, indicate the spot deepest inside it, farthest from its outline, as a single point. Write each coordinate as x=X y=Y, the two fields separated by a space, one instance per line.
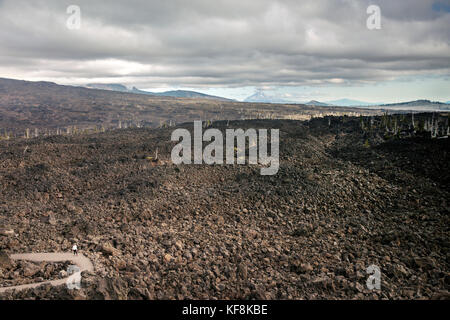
x=297 y=50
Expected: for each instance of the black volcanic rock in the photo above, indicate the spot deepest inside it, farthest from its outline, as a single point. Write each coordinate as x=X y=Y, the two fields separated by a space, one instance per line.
x=160 y=231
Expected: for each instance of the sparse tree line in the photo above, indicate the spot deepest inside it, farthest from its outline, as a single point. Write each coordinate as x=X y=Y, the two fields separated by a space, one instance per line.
x=392 y=125
x=408 y=125
x=29 y=133
x=35 y=133
x=71 y=130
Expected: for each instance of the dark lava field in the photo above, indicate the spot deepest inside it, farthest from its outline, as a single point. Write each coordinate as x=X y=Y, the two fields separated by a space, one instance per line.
x=342 y=200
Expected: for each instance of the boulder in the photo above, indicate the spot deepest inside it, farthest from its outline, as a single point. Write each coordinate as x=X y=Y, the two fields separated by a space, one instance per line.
x=6 y=232
x=108 y=249
x=30 y=269
x=5 y=261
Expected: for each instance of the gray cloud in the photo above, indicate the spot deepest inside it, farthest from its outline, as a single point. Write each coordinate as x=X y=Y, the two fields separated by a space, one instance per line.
x=223 y=43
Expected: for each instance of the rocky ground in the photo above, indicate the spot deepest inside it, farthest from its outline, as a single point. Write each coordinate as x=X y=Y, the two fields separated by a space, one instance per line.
x=13 y=273
x=342 y=200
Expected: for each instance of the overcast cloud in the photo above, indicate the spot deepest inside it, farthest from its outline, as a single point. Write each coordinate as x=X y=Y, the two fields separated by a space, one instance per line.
x=205 y=44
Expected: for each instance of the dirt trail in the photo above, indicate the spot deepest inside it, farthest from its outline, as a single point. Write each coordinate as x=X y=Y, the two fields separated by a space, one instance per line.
x=80 y=260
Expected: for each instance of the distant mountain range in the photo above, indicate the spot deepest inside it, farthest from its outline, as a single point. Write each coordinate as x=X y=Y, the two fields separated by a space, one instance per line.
x=340 y=102
x=317 y=103
x=351 y=103
x=107 y=86
x=417 y=105
x=49 y=106
x=172 y=93
x=262 y=97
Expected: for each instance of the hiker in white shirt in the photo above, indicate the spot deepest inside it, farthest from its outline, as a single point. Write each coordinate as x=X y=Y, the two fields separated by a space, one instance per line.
x=75 y=250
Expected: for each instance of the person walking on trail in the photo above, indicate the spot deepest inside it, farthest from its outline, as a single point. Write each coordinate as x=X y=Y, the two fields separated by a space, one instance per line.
x=75 y=250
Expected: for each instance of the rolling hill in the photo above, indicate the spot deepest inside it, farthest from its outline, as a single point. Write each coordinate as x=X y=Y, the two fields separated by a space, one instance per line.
x=417 y=105
x=316 y=103
x=350 y=103
x=172 y=93
x=48 y=106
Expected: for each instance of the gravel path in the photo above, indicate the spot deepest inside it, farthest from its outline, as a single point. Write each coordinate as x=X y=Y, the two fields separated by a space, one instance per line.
x=80 y=260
